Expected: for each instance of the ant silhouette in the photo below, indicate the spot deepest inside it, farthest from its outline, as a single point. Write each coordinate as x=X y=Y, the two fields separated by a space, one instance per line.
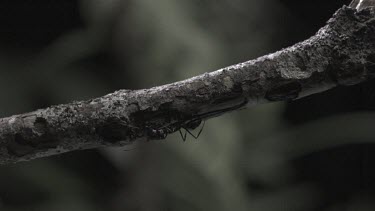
x=198 y=119
x=163 y=134
x=184 y=136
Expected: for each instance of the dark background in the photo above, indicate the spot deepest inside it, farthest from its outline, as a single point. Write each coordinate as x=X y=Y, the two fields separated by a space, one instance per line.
x=310 y=154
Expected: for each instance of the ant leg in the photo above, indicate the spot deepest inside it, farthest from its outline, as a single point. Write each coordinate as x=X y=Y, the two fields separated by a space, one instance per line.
x=183 y=136
x=199 y=133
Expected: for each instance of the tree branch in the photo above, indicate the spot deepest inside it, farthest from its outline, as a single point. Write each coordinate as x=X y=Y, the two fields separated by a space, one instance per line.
x=362 y=4
x=341 y=53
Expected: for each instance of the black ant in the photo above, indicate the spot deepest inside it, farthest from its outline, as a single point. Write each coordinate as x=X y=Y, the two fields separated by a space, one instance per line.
x=162 y=133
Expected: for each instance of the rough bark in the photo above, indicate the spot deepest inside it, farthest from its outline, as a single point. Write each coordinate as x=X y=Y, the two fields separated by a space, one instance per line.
x=362 y=4
x=341 y=53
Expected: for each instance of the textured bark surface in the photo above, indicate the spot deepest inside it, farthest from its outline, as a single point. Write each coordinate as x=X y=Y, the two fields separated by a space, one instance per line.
x=341 y=53
x=362 y=4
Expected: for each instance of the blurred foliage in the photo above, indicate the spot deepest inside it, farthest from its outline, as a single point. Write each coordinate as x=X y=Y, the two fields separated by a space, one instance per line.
x=311 y=154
